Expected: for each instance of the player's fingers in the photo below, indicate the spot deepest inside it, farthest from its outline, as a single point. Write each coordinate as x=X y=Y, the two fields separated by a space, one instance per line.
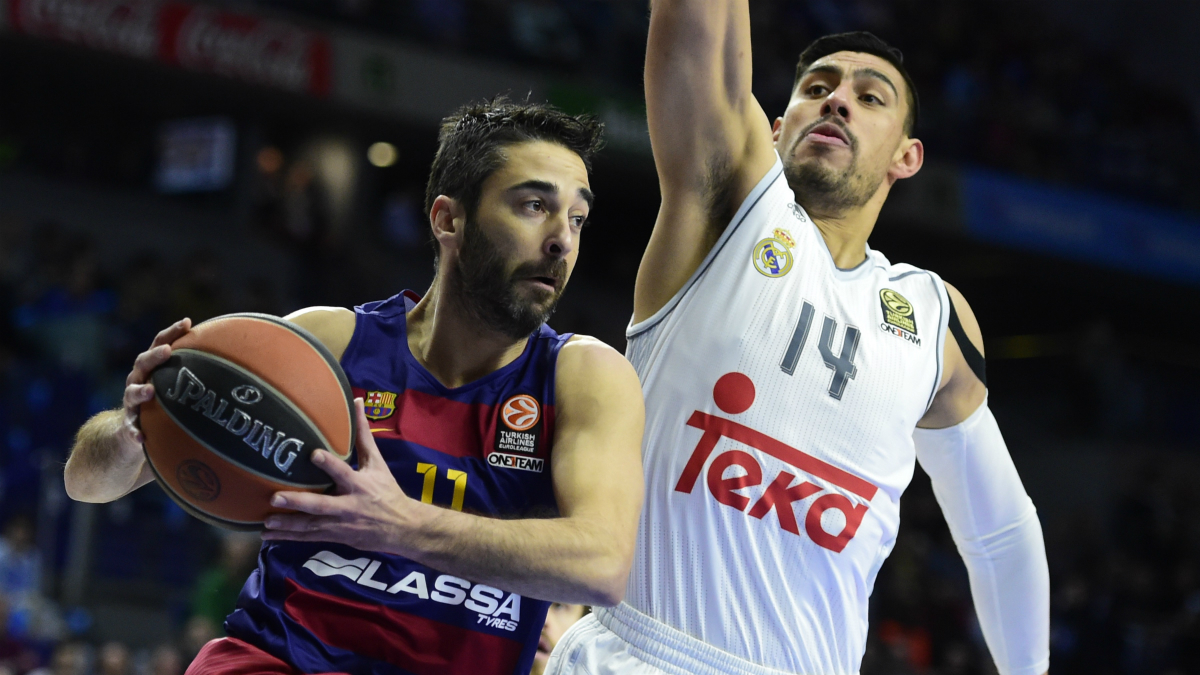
x=172 y=333
x=146 y=362
x=306 y=502
x=368 y=451
x=135 y=395
x=295 y=522
x=322 y=535
x=343 y=476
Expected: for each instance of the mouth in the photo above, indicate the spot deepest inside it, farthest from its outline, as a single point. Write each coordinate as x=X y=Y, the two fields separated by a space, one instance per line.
x=828 y=134
x=544 y=648
x=549 y=284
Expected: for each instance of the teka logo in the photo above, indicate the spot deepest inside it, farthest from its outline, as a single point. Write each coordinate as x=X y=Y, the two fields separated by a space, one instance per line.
x=521 y=412
x=490 y=603
x=734 y=394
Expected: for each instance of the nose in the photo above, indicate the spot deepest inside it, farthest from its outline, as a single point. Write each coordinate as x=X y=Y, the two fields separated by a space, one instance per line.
x=561 y=240
x=837 y=103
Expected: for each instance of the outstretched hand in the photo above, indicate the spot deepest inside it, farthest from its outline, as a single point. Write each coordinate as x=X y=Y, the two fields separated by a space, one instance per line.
x=367 y=509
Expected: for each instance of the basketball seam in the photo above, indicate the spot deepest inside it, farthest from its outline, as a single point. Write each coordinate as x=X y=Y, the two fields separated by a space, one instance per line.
x=243 y=525
x=327 y=356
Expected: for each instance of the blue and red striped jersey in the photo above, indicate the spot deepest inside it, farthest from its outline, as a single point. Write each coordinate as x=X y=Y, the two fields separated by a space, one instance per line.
x=481 y=448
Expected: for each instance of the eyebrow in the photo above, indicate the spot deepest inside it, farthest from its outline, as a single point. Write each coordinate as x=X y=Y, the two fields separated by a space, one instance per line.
x=869 y=72
x=551 y=188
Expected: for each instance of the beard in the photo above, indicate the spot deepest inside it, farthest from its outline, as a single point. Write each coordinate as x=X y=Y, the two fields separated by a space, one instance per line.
x=488 y=292
x=822 y=189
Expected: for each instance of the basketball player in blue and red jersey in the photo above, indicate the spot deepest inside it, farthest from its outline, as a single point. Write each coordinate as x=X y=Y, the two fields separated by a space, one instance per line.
x=498 y=462
x=793 y=376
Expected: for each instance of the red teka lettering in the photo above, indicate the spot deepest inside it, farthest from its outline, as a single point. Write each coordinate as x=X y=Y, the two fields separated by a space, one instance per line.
x=780 y=495
x=723 y=488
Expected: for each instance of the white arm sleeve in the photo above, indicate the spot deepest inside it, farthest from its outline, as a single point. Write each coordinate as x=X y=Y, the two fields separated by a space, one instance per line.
x=996 y=529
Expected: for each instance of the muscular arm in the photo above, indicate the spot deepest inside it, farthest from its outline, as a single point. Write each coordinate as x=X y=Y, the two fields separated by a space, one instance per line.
x=107 y=462
x=583 y=556
x=992 y=519
x=711 y=139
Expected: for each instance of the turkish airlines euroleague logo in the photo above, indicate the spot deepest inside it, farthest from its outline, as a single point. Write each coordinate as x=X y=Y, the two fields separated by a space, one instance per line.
x=518 y=434
x=521 y=412
x=733 y=471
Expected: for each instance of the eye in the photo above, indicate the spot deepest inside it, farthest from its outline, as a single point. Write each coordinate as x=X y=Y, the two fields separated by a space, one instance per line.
x=817 y=90
x=535 y=205
x=870 y=98
x=579 y=221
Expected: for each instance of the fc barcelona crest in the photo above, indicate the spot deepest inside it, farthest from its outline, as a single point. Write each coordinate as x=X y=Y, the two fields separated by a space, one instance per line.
x=379 y=404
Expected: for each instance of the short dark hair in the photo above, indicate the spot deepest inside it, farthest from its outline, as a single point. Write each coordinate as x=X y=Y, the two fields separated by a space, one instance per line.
x=472 y=139
x=866 y=43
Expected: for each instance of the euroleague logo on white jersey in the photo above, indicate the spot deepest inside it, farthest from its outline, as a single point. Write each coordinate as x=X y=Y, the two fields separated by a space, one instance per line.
x=899 y=318
x=734 y=394
x=518 y=435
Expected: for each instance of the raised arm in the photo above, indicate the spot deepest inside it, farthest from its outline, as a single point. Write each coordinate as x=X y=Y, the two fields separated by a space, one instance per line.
x=107 y=462
x=993 y=521
x=583 y=556
x=711 y=139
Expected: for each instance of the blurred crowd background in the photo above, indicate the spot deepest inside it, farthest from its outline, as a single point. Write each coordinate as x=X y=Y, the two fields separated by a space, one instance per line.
x=170 y=159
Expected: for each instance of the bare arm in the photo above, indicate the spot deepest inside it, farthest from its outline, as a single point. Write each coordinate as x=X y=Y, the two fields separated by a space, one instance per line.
x=992 y=519
x=106 y=462
x=961 y=393
x=711 y=139
x=581 y=557
x=333 y=326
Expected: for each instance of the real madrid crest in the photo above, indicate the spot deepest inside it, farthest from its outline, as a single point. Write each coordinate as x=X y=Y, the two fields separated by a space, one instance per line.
x=772 y=257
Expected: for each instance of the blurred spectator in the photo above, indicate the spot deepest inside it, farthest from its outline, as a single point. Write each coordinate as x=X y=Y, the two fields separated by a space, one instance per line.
x=199 y=292
x=217 y=589
x=70 y=658
x=114 y=659
x=543 y=30
x=20 y=561
x=66 y=319
x=196 y=633
x=165 y=660
x=404 y=224
x=16 y=654
x=559 y=618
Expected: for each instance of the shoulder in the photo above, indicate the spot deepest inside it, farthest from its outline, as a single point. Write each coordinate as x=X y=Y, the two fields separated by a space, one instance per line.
x=585 y=353
x=333 y=326
x=590 y=368
x=966 y=316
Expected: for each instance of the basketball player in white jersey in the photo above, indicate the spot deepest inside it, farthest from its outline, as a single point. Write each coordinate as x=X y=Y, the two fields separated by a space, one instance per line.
x=793 y=376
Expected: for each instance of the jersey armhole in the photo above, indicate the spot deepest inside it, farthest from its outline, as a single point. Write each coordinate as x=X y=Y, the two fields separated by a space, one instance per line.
x=748 y=204
x=355 y=338
x=943 y=325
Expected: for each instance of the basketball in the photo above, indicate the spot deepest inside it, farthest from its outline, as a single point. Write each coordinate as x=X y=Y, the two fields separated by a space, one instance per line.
x=238 y=409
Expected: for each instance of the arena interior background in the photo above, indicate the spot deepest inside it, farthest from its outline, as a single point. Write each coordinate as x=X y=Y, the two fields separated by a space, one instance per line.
x=161 y=158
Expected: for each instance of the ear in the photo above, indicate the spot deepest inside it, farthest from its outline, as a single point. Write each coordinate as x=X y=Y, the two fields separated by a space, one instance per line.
x=447 y=218
x=776 y=128
x=910 y=156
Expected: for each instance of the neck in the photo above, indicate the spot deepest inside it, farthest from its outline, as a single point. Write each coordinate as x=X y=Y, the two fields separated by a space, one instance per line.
x=452 y=345
x=846 y=232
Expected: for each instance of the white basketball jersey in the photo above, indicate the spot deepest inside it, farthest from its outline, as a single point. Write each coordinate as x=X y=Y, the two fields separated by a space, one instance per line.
x=781 y=397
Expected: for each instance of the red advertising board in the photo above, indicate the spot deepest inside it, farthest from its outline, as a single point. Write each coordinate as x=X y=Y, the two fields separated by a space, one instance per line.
x=195 y=37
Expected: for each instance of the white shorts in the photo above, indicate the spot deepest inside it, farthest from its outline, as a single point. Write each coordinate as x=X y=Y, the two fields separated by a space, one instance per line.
x=622 y=641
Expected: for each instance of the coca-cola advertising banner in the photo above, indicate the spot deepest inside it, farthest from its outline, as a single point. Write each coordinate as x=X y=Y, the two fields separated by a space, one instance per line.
x=195 y=37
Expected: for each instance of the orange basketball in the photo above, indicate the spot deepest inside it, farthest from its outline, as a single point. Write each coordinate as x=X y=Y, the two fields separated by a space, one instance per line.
x=238 y=409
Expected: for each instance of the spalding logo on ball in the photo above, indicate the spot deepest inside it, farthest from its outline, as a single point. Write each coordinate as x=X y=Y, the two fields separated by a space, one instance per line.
x=238 y=409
